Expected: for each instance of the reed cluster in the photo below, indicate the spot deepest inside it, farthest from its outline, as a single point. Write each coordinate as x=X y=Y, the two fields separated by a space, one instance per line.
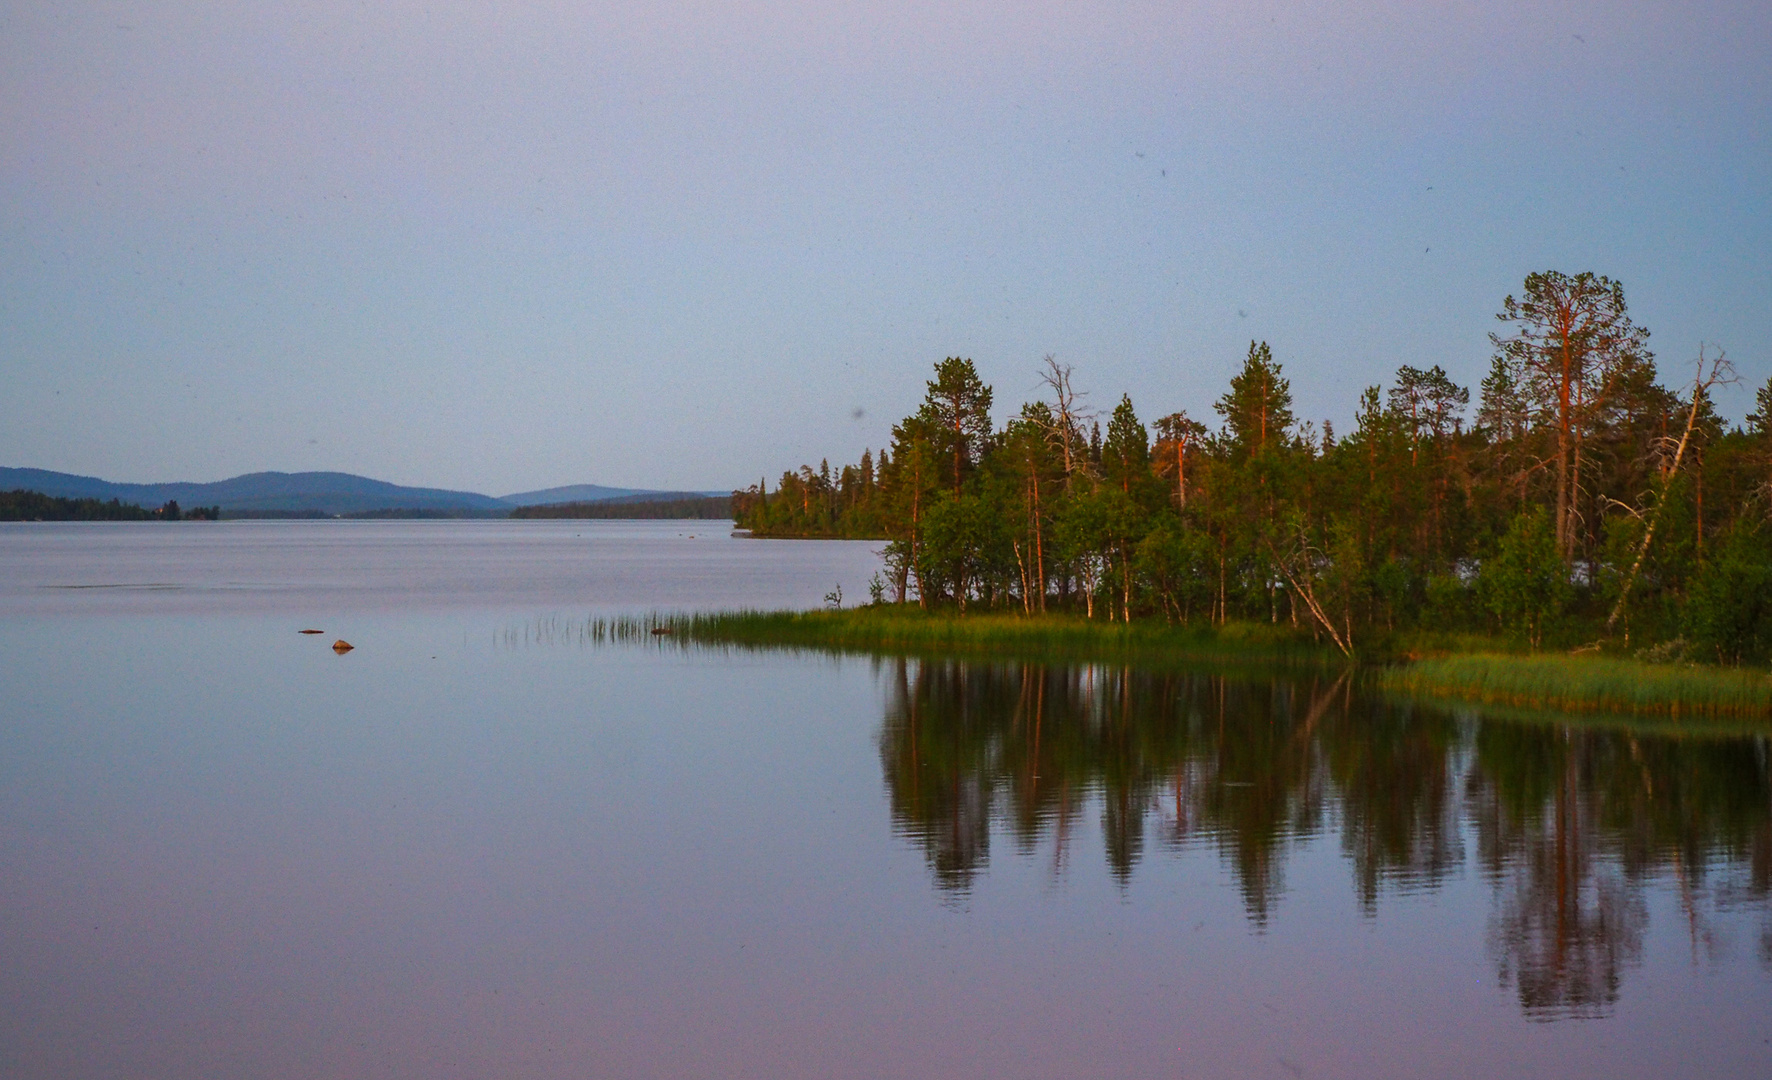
x=902 y=630
x=1587 y=684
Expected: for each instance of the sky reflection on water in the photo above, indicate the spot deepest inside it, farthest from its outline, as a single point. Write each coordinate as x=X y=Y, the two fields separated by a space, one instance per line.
x=480 y=844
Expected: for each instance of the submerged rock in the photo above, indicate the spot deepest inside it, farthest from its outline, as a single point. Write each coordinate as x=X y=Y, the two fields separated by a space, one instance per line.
x=310 y=631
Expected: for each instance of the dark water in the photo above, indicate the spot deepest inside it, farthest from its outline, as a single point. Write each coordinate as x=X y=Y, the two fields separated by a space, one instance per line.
x=479 y=846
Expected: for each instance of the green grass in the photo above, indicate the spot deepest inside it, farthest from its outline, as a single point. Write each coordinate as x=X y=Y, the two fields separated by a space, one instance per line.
x=1474 y=669
x=913 y=631
x=1586 y=684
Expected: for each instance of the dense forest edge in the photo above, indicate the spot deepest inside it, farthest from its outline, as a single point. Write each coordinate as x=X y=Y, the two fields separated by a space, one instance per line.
x=1584 y=508
x=35 y=506
x=699 y=507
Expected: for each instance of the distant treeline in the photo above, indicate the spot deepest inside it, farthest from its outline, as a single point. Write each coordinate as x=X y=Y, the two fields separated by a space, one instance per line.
x=710 y=506
x=411 y=514
x=1583 y=499
x=397 y=513
x=23 y=505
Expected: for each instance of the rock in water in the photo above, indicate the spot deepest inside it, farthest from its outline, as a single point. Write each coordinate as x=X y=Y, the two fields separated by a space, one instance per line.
x=341 y=646
x=310 y=631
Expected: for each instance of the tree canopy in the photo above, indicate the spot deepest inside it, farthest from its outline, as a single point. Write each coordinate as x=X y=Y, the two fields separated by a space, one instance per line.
x=1581 y=486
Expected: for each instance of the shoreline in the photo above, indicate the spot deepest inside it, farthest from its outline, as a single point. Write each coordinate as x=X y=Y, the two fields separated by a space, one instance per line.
x=1480 y=673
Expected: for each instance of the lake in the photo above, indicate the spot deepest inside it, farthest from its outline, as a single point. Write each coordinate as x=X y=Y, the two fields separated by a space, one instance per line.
x=481 y=844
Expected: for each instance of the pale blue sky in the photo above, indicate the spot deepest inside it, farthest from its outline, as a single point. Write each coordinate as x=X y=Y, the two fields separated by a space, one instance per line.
x=467 y=245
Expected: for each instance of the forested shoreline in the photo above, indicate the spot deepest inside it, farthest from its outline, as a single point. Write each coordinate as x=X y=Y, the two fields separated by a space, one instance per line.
x=1580 y=502
x=688 y=508
x=24 y=505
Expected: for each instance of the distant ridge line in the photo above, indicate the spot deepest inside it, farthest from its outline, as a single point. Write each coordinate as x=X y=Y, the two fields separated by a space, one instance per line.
x=316 y=493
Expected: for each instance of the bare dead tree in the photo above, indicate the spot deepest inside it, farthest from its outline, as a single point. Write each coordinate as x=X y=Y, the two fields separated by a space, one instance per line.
x=1297 y=564
x=1068 y=412
x=1712 y=371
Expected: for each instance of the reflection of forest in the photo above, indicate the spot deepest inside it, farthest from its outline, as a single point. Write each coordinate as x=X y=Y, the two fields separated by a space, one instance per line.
x=1570 y=825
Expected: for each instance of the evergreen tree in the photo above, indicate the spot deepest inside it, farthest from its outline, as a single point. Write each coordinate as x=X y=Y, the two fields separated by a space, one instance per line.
x=1258 y=409
x=1571 y=344
x=1126 y=455
x=1759 y=422
x=1179 y=440
x=957 y=417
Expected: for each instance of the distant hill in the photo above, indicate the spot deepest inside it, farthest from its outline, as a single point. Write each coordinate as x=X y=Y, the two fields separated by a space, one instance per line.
x=265 y=492
x=320 y=493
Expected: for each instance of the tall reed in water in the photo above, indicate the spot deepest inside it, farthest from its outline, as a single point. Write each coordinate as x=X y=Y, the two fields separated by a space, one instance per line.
x=915 y=631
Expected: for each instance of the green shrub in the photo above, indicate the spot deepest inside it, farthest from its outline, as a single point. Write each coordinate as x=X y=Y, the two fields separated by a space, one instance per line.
x=1449 y=599
x=1526 y=584
x=1729 y=608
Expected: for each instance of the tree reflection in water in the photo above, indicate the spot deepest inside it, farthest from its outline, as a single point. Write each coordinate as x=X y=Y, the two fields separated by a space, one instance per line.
x=1570 y=825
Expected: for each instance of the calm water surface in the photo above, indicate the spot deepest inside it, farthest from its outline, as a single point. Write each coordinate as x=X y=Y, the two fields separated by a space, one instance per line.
x=479 y=846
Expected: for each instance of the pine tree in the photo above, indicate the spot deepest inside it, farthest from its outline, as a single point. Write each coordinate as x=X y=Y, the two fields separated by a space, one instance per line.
x=1759 y=422
x=1258 y=409
x=1572 y=340
x=1126 y=455
x=957 y=413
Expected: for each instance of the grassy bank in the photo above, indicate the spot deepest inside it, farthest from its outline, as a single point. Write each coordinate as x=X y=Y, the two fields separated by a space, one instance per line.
x=1049 y=637
x=1586 y=684
x=1473 y=671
